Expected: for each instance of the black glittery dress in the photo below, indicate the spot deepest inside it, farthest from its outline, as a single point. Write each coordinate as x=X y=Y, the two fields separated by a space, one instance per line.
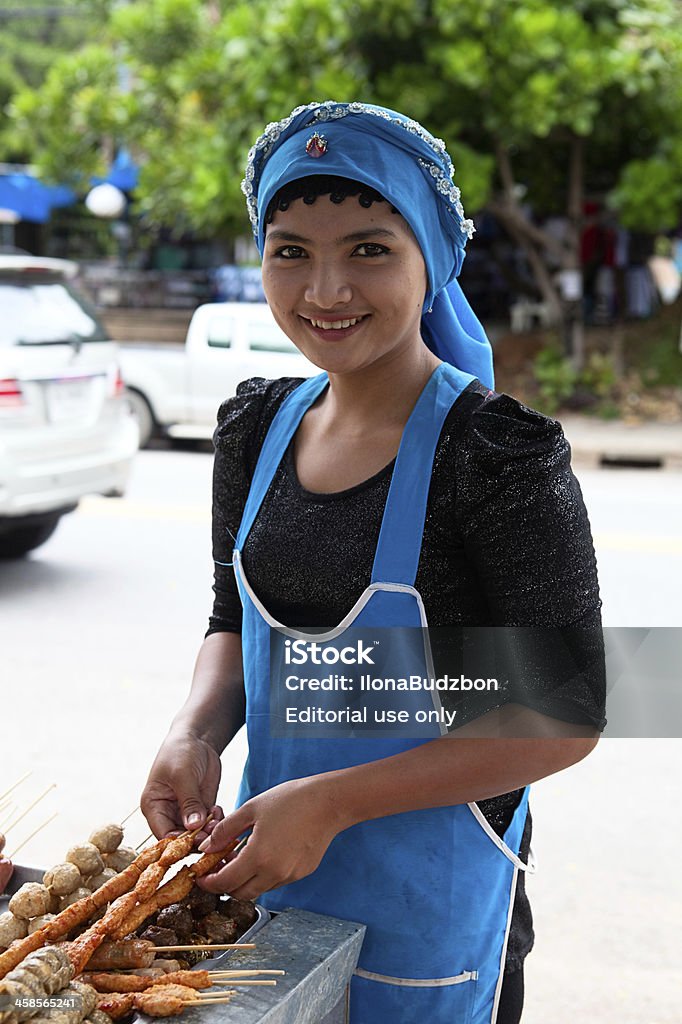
x=506 y=542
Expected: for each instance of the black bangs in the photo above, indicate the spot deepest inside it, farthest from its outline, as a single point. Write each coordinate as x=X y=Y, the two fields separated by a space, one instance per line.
x=308 y=189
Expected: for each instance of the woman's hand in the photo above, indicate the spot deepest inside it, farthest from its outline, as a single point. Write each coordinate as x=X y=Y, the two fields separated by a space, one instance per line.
x=293 y=824
x=182 y=786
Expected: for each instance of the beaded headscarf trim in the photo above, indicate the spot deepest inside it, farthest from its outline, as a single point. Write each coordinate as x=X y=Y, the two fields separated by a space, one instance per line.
x=332 y=111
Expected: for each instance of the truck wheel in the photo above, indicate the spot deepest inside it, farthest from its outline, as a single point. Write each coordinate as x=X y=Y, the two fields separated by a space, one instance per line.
x=139 y=407
x=19 y=541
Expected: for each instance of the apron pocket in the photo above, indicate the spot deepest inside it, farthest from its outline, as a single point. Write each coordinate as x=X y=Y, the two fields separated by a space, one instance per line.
x=412 y=1000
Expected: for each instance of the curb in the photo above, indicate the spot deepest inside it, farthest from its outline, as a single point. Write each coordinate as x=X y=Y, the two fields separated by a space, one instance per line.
x=600 y=444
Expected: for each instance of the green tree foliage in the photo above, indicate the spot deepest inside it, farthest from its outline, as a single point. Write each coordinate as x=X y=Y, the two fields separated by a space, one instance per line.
x=33 y=34
x=550 y=96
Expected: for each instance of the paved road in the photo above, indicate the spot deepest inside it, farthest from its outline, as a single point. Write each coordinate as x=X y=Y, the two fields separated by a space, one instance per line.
x=98 y=633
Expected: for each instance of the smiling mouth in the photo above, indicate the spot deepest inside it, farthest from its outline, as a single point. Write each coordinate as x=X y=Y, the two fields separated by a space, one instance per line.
x=335 y=325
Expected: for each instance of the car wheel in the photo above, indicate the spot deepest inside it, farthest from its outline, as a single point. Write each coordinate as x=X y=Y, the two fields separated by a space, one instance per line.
x=19 y=541
x=139 y=407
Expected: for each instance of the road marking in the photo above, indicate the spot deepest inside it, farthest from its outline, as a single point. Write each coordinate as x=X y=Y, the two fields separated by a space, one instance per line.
x=117 y=508
x=127 y=508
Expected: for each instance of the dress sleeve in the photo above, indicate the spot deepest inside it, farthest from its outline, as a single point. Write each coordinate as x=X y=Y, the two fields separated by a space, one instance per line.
x=243 y=422
x=526 y=532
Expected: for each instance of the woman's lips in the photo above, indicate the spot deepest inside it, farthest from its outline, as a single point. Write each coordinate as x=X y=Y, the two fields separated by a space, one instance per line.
x=335 y=333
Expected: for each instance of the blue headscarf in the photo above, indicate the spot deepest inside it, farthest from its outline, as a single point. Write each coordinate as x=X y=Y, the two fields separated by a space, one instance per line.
x=412 y=170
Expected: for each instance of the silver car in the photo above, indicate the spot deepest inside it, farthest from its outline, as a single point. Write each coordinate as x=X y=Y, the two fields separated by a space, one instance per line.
x=65 y=428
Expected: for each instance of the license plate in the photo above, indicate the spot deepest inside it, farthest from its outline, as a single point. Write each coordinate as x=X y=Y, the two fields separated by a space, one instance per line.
x=68 y=400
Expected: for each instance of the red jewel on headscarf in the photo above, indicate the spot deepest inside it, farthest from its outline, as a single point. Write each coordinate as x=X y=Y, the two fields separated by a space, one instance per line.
x=316 y=146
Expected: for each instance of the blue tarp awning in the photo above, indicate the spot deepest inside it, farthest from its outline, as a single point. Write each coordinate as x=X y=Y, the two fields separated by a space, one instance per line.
x=32 y=200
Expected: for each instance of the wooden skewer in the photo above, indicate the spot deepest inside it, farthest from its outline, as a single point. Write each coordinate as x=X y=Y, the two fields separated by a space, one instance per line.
x=179 y=836
x=8 y=791
x=196 y=949
x=211 y=996
x=206 y=1002
x=146 y=840
x=30 y=807
x=245 y=973
x=240 y=981
x=34 y=833
x=236 y=981
x=11 y=804
x=129 y=816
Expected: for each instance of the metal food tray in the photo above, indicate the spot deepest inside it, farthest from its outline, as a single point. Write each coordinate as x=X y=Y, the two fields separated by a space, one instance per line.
x=28 y=873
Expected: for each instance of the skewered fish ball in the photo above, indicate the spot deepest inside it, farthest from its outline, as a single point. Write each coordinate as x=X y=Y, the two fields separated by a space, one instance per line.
x=98 y=1017
x=30 y=981
x=120 y=859
x=86 y=994
x=95 y=881
x=62 y=879
x=53 y=906
x=38 y=922
x=107 y=838
x=52 y=966
x=87 y=859
x=16 y=990
x=73 y=897
x=11 y=928
x=32 y=900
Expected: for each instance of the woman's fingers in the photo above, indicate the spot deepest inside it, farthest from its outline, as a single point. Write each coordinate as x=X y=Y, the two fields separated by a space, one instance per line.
x=227 y=830
x=216 y=814
x=161 y=811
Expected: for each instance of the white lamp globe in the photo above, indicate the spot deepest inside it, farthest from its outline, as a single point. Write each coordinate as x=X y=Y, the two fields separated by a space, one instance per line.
x=105 y=201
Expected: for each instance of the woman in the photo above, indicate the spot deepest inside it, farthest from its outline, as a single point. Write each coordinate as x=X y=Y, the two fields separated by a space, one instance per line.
x=394 y=490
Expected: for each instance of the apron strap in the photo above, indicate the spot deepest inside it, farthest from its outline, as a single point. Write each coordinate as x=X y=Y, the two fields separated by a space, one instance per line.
x=400 y=539
x=283 y=427
x=528 y=866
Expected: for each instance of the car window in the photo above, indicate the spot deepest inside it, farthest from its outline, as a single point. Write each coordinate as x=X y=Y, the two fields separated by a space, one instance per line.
x=269 y=338
x=219 y=332
x=45 y=310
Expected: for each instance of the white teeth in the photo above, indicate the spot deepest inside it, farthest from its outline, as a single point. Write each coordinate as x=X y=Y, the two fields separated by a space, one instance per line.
x=335 y=325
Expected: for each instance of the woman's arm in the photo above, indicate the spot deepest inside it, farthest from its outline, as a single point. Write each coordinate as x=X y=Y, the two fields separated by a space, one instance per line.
x=294 y=823
x=183 y=782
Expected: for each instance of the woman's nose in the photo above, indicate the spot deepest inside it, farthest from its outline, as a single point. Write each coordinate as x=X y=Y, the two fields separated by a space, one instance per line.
x=327 y=286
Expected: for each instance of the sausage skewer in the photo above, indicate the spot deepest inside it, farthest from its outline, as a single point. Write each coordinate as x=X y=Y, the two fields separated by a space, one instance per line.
x=106 y=982
x=136 y=953
x=156 y=1003
x=173 y=891
x=79 y=912
x=176 y=848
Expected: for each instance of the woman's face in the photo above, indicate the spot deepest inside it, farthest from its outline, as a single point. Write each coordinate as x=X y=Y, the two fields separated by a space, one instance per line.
x=344 y=282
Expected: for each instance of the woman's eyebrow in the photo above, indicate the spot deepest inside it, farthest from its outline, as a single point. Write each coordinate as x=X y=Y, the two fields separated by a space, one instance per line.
x=280 y=234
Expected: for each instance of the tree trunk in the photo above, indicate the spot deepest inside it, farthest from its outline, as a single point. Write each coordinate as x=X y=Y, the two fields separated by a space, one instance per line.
x=567 y=312
x=528 y=236
x=574 y=333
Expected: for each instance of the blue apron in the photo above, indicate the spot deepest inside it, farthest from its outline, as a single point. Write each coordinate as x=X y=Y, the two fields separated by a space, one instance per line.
x=435 y=887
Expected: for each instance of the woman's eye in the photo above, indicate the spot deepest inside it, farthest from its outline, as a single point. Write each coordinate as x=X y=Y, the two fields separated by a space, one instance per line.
x=370 y=249
x=289 y=252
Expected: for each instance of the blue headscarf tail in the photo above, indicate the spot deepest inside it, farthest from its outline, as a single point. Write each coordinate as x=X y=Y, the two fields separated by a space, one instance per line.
x=412 y=170
x=454 y=333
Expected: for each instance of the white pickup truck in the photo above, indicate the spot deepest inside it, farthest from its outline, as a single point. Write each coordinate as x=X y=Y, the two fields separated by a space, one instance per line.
x=177 y=391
